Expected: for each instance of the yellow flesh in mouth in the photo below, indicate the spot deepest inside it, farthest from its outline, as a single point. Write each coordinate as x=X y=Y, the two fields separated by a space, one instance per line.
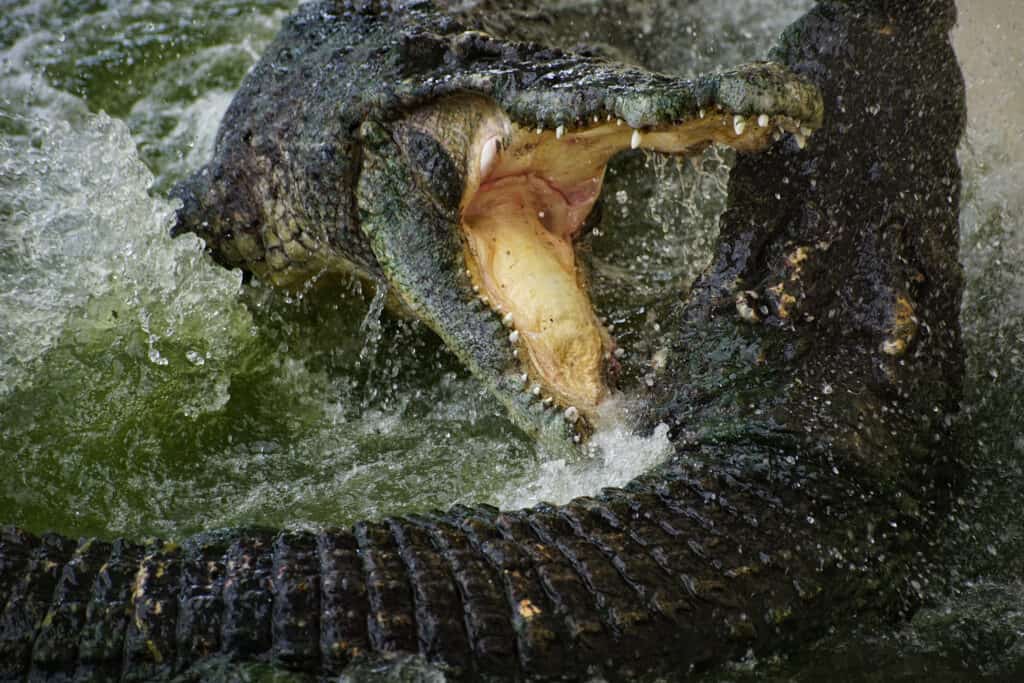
x=527 y=196
x=530 y=271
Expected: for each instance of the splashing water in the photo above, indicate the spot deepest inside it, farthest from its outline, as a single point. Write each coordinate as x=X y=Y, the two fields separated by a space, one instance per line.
x=143 y=390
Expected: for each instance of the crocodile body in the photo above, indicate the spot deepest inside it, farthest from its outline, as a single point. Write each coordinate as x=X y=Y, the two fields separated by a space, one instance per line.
x=810 y=393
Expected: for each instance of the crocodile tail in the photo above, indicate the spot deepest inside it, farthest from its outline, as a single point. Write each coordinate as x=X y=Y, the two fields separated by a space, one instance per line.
x=192 y=216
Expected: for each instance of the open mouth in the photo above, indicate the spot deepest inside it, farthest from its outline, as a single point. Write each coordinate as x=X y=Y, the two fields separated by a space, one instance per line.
x=528 y=194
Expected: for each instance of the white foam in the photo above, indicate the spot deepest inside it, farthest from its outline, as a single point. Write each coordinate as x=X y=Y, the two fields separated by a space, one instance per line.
x=86 y=239
x=617 y=454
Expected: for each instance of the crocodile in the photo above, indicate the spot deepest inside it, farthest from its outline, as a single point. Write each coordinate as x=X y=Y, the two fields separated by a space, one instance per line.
x=812 y=382
x=457 y=171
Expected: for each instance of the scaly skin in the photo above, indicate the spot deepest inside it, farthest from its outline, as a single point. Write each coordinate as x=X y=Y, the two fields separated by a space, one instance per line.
x=814 y=455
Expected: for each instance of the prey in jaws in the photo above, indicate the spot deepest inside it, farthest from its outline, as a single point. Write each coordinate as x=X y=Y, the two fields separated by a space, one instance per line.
x=399 y=144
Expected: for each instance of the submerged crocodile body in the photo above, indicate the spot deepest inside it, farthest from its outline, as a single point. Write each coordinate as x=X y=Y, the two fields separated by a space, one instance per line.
x=810 y=390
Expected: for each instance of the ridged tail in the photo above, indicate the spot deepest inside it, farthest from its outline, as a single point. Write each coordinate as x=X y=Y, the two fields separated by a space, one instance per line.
x=665 y=575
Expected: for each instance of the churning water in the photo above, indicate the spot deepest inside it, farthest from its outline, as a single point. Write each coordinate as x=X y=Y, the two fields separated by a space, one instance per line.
x=143 y=390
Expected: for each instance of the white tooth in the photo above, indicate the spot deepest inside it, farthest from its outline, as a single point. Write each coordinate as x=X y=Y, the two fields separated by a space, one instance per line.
x=801 y=141
x=701 y=113
x=539 y=130
x=513 y=337
x=575 y=438
x=540 y=214
x=536 y=390
x=485 y=301
x=620 y=352
x=488 y=157
x=618 y=122
x=507 y=127
x=763 y=121
x=805 y=131
x=739 y=124
x=596 y=119
x=524 y=378
x=547 y=401
x=476 y=289
x=571 y=414
x=608 y=118
x=559 y=132
x=611 y=328
x=507 y=320
x=634 y=141
x=515 y=353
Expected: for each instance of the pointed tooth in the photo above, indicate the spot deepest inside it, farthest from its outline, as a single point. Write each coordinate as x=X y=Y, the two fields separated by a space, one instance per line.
x=507 y=320
x=801 y=141
x=576 y=438
x=634 y=141
x=608 y=118
x=513 y=337
x=524 y=378
x=539 y=130
x=571 y=414
x=596 y=118
x=739 y=124
x=559 y=132
x=535 y=390
x=763 y=121
x=702 y=113
x=619 y=122
x=488 y=157
x=547 y=401
x=476 y=289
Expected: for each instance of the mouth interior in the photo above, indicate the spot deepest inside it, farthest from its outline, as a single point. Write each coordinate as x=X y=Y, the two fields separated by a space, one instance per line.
x=527 y=197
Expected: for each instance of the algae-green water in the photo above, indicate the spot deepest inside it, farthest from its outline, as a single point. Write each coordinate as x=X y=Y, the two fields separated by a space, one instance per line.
x=146 y=391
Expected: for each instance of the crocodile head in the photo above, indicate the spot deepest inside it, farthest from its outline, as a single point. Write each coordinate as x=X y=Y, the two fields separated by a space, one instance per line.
x=469 y=166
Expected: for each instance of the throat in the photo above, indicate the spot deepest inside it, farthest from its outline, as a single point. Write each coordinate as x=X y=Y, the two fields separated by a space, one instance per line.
x=518 y=233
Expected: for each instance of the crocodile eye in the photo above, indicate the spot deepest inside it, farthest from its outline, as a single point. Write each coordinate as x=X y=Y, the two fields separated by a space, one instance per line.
x=436 y=172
